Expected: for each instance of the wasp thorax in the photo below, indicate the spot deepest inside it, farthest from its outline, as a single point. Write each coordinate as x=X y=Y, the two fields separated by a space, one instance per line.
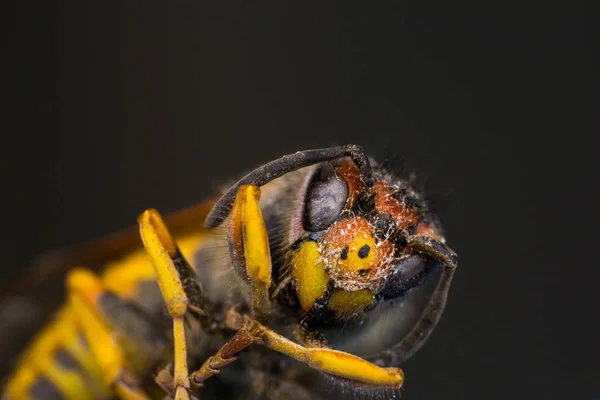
x=354 y=259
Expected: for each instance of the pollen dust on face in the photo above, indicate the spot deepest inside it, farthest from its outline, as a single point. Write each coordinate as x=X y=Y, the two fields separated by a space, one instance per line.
x=353 y=258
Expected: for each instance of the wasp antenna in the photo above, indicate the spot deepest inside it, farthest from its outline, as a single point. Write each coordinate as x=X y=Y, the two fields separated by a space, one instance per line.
x=430 y=317
x=293 y=162
x=434 y=248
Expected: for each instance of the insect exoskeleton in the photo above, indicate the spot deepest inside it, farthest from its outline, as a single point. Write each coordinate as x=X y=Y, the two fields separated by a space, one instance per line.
x=306 y=245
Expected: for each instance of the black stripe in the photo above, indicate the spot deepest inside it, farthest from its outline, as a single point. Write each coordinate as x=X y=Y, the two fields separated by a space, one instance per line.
x=65 y=360
x=44 y=389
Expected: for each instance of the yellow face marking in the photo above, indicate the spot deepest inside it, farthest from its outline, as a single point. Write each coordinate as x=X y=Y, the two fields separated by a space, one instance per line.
x=360 y=254
x=345 y=302
x=355 y=260
x=309 y=271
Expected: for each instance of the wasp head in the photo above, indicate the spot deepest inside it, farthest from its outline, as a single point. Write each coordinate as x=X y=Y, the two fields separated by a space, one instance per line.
x=355 y=244
x=358 y=234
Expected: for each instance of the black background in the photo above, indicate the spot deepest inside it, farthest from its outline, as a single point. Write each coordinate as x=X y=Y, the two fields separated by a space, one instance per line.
x=113 y=108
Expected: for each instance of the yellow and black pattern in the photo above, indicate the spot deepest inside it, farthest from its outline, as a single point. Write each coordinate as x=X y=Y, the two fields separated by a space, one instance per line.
x=60 y=363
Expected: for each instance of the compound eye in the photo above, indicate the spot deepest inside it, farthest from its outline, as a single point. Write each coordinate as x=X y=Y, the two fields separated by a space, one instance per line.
x=409 y=274
x=325 y=198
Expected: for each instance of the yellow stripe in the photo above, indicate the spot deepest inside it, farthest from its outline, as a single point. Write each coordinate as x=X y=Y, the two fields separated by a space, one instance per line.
x=72 y=342
x=69 y=383
x=74 y=345
x=122 y=277
x=40 y=359
x=84 y=289
x=20 y=382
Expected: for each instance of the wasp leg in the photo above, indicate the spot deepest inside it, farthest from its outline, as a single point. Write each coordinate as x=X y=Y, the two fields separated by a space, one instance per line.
x=85 y=290
x=164 y=380
x=167 y=263
x=248 y=236
x=226 y=355
x=327 y=360
x=153 y=228
x=428 y=320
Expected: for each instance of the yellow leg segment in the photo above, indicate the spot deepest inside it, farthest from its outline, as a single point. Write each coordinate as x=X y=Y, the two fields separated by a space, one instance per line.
x=246 y=212
x=161 y=249
x=327 y=360
x=85 y=290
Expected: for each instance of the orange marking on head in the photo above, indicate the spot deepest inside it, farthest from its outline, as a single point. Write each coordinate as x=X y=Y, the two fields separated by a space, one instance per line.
x=348 y=170
x=386 y=202
x=355 y=260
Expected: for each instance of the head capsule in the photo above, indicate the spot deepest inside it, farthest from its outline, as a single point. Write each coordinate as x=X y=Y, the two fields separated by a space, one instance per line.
x=349 y=252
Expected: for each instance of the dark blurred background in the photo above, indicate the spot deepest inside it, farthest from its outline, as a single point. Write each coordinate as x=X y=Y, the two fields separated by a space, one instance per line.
x=111 y=108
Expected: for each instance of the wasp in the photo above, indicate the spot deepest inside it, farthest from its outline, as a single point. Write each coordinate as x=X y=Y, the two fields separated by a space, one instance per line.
x=246 y=297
